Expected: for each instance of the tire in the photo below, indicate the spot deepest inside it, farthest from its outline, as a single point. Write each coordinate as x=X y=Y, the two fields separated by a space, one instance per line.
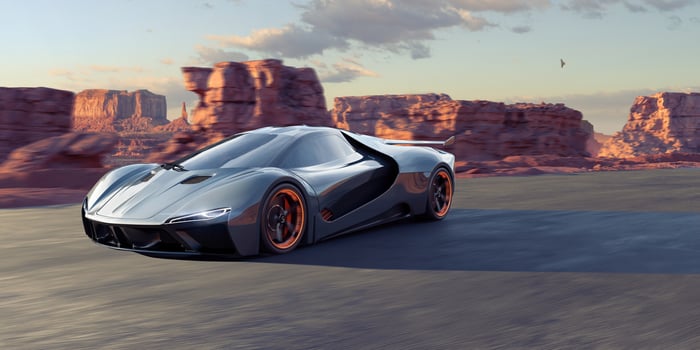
x=282 y=219
x=440 y=192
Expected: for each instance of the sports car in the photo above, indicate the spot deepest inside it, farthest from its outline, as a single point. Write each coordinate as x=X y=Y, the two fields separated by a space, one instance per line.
x=268 y=190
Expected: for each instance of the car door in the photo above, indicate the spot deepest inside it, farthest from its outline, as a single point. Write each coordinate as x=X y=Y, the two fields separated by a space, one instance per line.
x=343 y=178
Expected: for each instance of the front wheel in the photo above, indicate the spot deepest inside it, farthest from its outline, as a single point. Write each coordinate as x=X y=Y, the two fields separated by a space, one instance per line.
x=282 y=219
x=440 y=193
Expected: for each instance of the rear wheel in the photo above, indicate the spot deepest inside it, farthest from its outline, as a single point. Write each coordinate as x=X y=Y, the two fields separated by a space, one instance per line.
x=283 y=219
x=440 y=193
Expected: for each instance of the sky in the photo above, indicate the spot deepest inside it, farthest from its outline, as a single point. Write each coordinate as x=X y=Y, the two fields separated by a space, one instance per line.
x=498 y=50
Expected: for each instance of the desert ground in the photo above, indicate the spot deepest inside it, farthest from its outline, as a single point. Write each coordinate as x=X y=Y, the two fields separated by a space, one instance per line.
x=596 y=260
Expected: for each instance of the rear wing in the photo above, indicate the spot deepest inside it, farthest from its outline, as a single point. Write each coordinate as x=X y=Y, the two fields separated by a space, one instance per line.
x=447 y=143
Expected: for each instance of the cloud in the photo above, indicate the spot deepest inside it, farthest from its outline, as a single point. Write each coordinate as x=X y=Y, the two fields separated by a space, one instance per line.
x=105 y=69
x=210 y=56
x=419 y=50
x=598 y=8
x=588 y=8
x=167 y=61
x=503 y=6
x=473 y=23
x=377 y=22
x=65 y=73
x=344 y=71
x=674 y=22
x=669 y=5
x=634 y=7
x=290 y=41
x=397 y=26
x=115 y=69
x=405 y=26
x=521 y=29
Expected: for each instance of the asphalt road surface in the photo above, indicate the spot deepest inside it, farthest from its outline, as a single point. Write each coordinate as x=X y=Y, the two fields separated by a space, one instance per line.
x=599 y=260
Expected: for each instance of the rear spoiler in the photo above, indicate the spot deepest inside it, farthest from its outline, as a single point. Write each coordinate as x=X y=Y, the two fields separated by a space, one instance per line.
x=447 y=143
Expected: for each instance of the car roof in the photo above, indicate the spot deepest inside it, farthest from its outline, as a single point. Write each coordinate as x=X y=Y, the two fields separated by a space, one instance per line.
x=292 y=131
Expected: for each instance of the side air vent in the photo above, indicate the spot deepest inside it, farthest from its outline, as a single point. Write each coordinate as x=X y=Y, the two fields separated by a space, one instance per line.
x=194 y=180
x=326 y=214
x=148 y=176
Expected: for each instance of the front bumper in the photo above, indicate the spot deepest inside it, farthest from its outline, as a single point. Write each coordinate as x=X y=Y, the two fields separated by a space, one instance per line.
x=209 y=237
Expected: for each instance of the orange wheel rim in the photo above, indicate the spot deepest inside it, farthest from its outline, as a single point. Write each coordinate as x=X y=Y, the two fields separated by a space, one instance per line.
x=284 y=219
x=441 y=190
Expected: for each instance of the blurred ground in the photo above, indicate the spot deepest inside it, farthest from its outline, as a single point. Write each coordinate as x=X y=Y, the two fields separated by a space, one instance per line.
x=47 y=186
x=597 y=260
x=17 y=197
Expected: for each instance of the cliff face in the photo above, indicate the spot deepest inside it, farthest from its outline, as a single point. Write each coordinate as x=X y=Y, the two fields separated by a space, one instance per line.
x=35 y=133
x=485 y=130
x=69 y=150
x=239 y=96
x=32 y=114
x=114 y=110
x=665 y=122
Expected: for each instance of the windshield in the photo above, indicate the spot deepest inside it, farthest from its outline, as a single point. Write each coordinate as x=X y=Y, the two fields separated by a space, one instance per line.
x=244 y=150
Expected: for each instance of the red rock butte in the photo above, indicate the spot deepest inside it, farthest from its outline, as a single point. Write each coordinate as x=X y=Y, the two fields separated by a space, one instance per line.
x=31 y=114
x=666 y=122
x=102 y=110
x=485 y=130
x=238 y=96
x=38 y=148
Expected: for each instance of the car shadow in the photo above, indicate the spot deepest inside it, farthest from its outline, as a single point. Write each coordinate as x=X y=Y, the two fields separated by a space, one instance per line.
x=514 y=240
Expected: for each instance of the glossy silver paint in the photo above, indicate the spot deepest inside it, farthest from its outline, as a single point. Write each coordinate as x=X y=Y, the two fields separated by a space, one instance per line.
x=377 y=183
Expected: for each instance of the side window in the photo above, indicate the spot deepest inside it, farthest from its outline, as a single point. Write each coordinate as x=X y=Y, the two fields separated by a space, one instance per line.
x=317 y=149
x=335 y=147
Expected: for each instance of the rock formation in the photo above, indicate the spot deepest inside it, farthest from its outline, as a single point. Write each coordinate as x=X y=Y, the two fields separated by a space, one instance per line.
x=592 y=143
x=248 y=95
x=665 y=122
x=596 y=143
x=484 y=130
x=183 y=113
x=177 y=125
x=70 y=150
x=239 y=96
x=135 y=147
x=35 y=135
x=113 y=111
x=32 y=114
x=197 y=80
x=54 y=170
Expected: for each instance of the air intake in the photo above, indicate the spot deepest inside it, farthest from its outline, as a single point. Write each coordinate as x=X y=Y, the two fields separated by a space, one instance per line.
x=194 y=180
x=148 y=176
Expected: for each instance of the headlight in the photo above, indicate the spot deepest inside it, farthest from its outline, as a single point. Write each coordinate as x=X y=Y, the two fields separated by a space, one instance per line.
x=201 y=216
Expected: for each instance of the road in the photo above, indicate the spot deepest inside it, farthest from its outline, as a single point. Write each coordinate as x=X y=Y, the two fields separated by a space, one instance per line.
x=606 y=260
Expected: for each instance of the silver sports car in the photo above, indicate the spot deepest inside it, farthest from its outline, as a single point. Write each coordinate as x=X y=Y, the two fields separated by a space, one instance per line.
x=268 y=190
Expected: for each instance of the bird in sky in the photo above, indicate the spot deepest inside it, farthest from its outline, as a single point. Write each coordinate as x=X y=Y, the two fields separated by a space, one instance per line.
x=562 y=62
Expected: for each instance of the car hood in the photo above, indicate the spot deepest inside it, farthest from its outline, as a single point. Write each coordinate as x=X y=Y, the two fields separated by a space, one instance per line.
x=159 y=192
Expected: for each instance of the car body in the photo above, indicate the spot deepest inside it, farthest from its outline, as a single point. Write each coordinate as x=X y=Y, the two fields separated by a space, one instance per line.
x=269 y=190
